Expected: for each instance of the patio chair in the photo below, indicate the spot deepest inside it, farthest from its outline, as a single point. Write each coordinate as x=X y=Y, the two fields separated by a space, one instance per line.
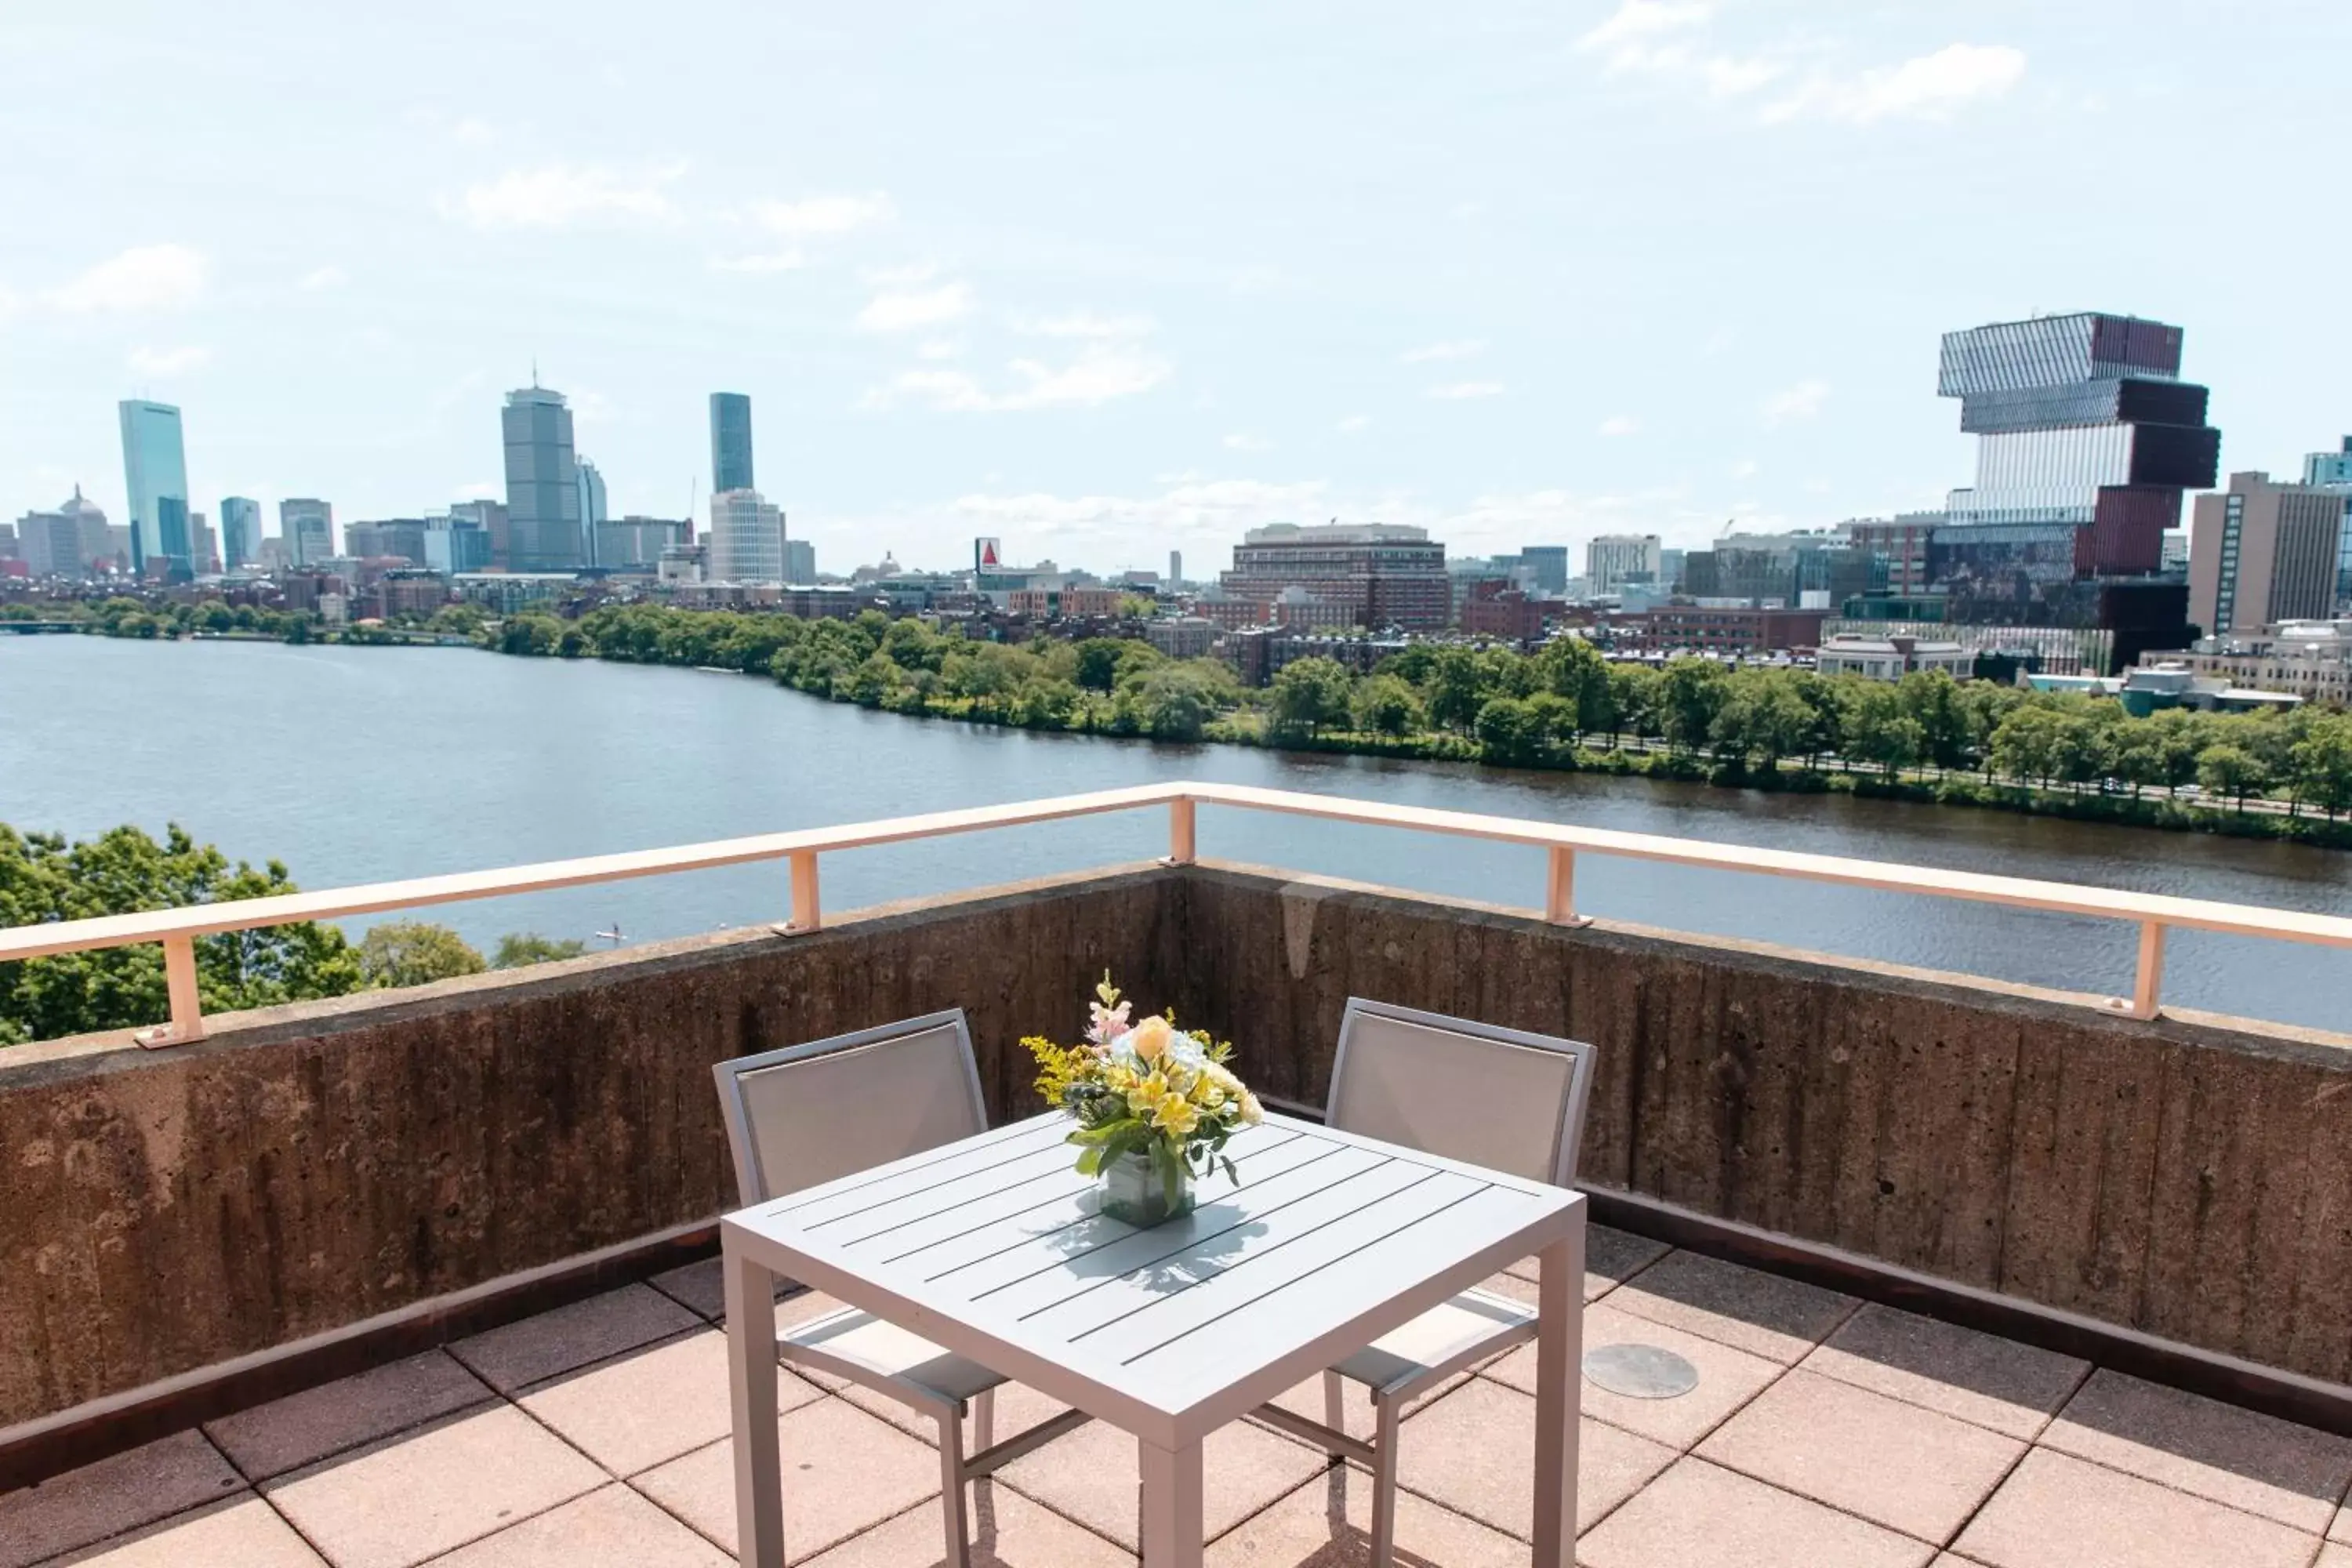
x=807 y=1114
x=1504 y=1099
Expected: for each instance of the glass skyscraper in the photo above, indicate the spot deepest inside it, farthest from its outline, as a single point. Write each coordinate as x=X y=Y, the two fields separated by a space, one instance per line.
x=731 y=443
x=306 y=526
x=543 y=525
x=2333 y=471
x=240 y=531
x=592 y=512
x=155 y=476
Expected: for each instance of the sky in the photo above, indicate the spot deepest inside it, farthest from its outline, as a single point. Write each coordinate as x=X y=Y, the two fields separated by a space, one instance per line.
x=1107 y=282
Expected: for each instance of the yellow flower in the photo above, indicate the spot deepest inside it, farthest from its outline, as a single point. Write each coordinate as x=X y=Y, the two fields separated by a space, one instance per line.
x=1176 y=1115
x=1252 y=1112
x=1147 y=1094
x=1207 y=1095
x=1119 y=1079
x=1150 y=1039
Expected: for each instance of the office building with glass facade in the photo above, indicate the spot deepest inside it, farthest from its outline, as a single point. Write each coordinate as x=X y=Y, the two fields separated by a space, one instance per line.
x=240 y=532
x=155 y=479
x=307 y=526
x=746 y=539
x=543 y=525
x=592 y=516
x=1546 y=566
x=2333 y=471
x=1614 y=561
x=731 y=443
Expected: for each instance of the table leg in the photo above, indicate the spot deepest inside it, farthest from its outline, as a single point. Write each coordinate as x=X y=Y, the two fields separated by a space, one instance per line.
x=1559 y=1356
x=751 y=1374
x=1171 y=1506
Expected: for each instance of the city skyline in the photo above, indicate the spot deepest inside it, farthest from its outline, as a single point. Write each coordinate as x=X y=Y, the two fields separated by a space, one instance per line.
x=1147 y=332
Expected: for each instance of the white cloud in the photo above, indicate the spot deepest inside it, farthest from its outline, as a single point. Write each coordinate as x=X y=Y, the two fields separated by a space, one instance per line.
x=563 y=195
x=472 y=133
x=1456 y=391
x=768 y=261
x=1456 y=348
x=1803 y=401
x=1637 y=21
x=169 y=362
x=1931 y=86
x=823 y=215
x=146 y=278
x=1619 y=424
x=323 y=277
x=1650 y=38
x=901 y=310
x=939 y=348
x=1242 y=441
x=1087 y=324
x=1744 y=469
x=1101 y=373
x=1353 y=424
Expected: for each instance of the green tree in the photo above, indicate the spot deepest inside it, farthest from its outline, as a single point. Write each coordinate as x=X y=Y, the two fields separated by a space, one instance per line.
x=1389 y=706
x=1312 y=695
x=519 y=948
x=1878 y=729
x=2225 y=769
x=1764 y=718
x=1506 y=731
x=412 y=953
x=530 y=633
x=2321 y=765
x=1636 y=692
x=1458 y=684
x=43 y=878
x=1690 y=695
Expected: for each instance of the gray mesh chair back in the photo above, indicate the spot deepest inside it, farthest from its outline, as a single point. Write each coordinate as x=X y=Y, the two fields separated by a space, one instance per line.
x=1500 y=1098
x=809 y=1113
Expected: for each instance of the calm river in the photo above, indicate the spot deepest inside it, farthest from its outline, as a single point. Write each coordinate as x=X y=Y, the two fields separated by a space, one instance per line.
x=366 y=765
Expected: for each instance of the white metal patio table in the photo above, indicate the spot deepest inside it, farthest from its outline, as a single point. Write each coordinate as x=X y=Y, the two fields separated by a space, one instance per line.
x=991 y=1248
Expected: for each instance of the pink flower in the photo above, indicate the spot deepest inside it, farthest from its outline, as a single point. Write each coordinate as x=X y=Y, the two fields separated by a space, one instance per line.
x=1109 y=1023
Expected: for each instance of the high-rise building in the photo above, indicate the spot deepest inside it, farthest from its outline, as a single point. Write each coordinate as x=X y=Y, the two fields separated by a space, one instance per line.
x=1612 y=561
x=203 y=550
x=240 y=531
x=591 y=510
x=1384 y=574
x=308 y=526
x=1546 y=567
x=2086 y=439
x=799 y=561
x=636 y=542
x=1175 y=569
x=543 y=528
x=746 y=539
x=2333 y=471
x=155 y=476
x=66 y=542
x=490 y=517
x=2261 y=554
x=731 y=443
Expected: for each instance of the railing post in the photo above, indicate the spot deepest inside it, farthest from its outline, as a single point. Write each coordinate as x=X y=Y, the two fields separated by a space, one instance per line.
x=1179 y=831
x=188 y=1025
x=2147 y=980
x=1560 y=890
x=807 y=916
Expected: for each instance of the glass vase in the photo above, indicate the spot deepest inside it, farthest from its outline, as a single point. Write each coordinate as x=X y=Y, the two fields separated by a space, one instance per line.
x=1137 y=1190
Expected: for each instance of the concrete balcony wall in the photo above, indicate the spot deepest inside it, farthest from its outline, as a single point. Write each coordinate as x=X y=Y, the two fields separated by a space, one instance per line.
x=312 y=1167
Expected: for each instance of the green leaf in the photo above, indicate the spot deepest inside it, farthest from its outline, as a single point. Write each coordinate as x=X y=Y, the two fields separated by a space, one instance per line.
x=1230 y=1174
x=1090 y=1161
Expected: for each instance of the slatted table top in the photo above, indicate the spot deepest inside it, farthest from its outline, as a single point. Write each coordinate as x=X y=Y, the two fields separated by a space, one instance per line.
x=992 y=1248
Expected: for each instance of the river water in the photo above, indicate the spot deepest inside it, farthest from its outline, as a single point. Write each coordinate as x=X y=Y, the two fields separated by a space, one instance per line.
x=367 y=764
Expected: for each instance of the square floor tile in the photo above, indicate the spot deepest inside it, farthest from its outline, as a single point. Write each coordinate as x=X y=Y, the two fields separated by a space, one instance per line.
x=1611 y=1258
x=1727 y=1378
x=1898 y=1465
x=538 y=1348
x=2333 y=1556
x=651 y=1404
x=2055 y=1511
x=1327 y=1522
x=1091 y=1477
x=844 y=1472
x=1761 y=1313
x=2209 y=1449
x=1698 y=1515
x=154 y=1481
x=1018 y=1408
x=609 y=1528
x=2011 y=1388
x=702 y=1288
x=2342 y=1529
x=1005 y=1531
x=242 y=1532
x=1356 y=1417
x=1474 y=1452
x=287 y=1434
x=408 y=1498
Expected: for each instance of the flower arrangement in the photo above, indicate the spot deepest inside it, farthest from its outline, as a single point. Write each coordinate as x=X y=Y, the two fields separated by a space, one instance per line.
x=1154 y=1106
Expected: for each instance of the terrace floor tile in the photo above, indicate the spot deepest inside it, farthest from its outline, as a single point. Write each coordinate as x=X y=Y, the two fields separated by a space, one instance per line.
x=1764 y=1314
x=1699 y=1515
x=1979 y=1378
x=1005 y=1529
x=154 y=1481
x=1474 y=1450
x=1327 y=1522
x=1611 y=1258
x=412 y=1496
x=241 y=1533
x=538 y=1348
x=2256 y=1463
x=2057 y=1511
x=1727 y=1378
x=1091 y=1476
x=1018 y=1408
x=651 y=1404
x=1898 y=1464
x=303 y=1428
x=612 y=1527
x=844 y=1472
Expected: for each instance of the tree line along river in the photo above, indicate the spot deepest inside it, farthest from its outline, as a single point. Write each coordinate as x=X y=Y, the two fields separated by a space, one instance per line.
x=357 y=764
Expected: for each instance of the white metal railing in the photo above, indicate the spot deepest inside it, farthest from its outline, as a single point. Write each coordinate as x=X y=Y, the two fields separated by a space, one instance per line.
x=177 y=929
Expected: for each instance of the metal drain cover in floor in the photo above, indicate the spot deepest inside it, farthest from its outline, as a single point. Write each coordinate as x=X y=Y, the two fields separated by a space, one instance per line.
x=1641 y=1371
